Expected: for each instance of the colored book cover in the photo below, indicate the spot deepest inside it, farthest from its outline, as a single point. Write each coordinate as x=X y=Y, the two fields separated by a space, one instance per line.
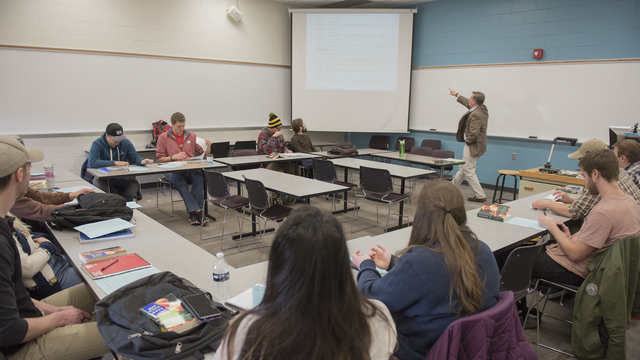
x=569 y=189
x=119 y=265
x=169 y=314
x=113 y=169
x=102 y=254
x=494 y=212
x=118 y=235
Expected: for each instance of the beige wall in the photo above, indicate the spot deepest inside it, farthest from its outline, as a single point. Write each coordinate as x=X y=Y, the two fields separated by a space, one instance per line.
x=184 y=28
x=181 y=28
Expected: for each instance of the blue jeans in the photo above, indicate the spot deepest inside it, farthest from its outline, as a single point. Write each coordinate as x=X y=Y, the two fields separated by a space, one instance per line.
x=125 y=186
x=66 y=274
x=194 y=199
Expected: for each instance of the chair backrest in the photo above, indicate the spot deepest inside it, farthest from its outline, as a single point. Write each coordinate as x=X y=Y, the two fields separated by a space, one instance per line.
x=485 y=335
x=408 y=143
x=258 y=197
x=379 y=142
x=419 y=150
x=245 y=145
x=83 y=172
x=444 y=154
x=377 y=181
x=216 y=185
x=243 y=152
x=516 y=272
x=220 y=150
x=324 y=170
x=434 y=144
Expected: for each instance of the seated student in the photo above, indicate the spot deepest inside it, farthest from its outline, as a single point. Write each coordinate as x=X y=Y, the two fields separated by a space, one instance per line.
x=270 y=141
x=302 y=143
x=311 y=308
x=628 y=153
x=615 y=216
x=36 y=205
x=44 y=271
x=443 y=274
x=178 y=144
x=113 y=149
x=57 y=327
x=579 y=207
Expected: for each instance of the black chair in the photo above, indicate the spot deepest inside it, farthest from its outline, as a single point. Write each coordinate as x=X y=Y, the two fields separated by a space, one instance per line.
x=84 y=174
x=325 y=171
x=377 y=186
x=162 y=183
x=220 y=150
x=434 y=144
x=420 y=150
x=240 y=145
x=379 y=142
x=244 y=152
x=220 y=196
x=408 y=143
x=442 y=154
x=259 y=206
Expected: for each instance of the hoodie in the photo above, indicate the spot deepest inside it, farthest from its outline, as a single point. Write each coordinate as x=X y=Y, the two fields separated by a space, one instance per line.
x=103 y=155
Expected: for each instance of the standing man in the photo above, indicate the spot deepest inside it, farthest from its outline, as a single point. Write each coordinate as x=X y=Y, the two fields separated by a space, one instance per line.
x=628 y=153
x=270 y=141
x=58 y=327
x=113 y=149
x=179 y=144
x=472 y=130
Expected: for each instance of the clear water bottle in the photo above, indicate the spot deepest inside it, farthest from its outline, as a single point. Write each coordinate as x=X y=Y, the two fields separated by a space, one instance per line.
x=220 y=278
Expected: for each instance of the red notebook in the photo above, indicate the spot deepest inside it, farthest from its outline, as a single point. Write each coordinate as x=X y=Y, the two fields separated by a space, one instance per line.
x=118 y=265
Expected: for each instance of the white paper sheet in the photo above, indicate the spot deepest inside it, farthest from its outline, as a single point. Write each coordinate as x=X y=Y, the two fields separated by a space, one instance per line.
x=138 y=168
x=113 y=283
x=105 y=227
x=533 y=224
x=76 y=188
x=172 y=165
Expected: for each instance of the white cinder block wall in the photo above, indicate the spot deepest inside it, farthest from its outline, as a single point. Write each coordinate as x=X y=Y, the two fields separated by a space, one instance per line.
x=180 y=28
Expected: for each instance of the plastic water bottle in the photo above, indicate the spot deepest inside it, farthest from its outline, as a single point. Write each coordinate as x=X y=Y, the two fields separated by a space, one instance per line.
x=220 y=278
x=401 y=148
x=48 y=172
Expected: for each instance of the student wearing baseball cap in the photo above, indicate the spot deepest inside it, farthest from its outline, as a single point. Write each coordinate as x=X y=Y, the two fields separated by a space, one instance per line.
x=579 y=207
x=114 y=149
x=32 y=329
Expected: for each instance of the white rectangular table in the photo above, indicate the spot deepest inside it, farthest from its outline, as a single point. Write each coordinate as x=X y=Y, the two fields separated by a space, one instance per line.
x=430 y=161
x=60 y=174
x=397 y=171
x=261 y=159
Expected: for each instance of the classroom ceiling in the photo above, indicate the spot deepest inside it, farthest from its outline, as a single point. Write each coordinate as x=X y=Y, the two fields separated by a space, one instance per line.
x=351 y=3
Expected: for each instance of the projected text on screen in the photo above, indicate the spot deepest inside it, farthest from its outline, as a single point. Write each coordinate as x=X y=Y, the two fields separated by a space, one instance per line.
x=352 y=52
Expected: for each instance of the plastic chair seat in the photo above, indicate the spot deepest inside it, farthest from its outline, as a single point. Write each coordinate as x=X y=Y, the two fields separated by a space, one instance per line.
x=232 y=202
x=347 y=184
x=274 y=213
x=385 y=198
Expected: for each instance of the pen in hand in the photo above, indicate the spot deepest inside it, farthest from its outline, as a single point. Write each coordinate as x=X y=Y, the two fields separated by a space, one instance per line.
x=109 y=264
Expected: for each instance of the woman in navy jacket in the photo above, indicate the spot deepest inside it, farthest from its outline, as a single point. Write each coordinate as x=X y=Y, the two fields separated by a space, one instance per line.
x=444 y=273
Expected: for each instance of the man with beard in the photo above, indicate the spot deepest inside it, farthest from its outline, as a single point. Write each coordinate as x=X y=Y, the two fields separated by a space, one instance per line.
x=59 y=326
x=615 y=216
x=300 y=142
x=580 y=206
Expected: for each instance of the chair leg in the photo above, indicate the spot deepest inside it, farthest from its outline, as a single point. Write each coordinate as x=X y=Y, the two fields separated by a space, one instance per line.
x=158 y=183
x=388 y=216
x=262 y=236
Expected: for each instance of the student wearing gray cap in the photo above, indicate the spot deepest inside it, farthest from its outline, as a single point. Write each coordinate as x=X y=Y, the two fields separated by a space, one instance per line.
x=113 y=149
x=58 y=327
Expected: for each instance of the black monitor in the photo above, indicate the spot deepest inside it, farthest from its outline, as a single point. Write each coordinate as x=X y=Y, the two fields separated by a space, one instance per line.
x=617 y=133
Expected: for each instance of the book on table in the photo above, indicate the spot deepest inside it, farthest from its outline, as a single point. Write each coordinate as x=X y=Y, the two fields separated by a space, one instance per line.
x=118 y=235
x=169 y=314
x=494 y=212
x=113 y=169
x=119 y=265
x=102 y=254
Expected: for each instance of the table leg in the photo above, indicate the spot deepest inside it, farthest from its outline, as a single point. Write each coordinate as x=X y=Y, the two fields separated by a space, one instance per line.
x=345 y=197
x=441 y=172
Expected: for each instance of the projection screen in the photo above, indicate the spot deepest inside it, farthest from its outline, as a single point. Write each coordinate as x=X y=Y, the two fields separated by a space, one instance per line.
x=351 y=70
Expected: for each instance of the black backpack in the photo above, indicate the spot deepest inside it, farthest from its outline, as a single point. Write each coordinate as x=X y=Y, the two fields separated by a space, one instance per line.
x=128 y=333
x=91 y=207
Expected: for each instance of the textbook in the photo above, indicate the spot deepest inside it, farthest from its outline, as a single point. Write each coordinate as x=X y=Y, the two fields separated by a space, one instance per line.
x=102 y=254
x=195 y=162
x=119 y=265
x=114 y=169
x=118 y=235
x=569 y=189
x=494 y=212
x=169 y=314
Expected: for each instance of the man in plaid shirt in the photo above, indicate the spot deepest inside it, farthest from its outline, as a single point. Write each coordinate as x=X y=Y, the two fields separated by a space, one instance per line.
x=628 y=153
x=579 y=207
x=271 y=141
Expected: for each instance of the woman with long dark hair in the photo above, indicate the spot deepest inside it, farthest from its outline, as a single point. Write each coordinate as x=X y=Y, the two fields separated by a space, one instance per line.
x=444 y=273
x=311 y=308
